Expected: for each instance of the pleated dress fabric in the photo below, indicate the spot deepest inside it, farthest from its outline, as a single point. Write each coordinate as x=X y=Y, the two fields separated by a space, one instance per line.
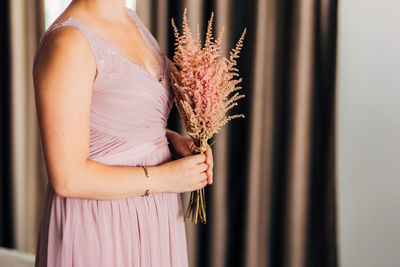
x=128 y=118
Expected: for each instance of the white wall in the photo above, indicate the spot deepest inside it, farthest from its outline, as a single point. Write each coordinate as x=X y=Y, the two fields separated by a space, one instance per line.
x=368 y=133
x=53 y=8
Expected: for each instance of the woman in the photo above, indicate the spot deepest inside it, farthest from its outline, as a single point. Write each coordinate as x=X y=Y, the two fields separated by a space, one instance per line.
x=103 y=100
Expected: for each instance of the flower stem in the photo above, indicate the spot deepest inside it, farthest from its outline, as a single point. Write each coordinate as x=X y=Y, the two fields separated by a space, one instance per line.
x=197 y=202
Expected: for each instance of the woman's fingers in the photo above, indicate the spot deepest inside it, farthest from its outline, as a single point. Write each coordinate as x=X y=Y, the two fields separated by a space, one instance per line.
x=197 y=158
x=202 y=167
x=199 y=172
x=209 y=161
x=200 y=185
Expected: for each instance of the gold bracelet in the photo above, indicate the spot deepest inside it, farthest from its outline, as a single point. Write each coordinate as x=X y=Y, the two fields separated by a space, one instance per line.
x=148 y=176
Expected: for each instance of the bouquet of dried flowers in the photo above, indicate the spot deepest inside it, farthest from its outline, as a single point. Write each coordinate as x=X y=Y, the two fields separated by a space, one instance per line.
x=201 y=80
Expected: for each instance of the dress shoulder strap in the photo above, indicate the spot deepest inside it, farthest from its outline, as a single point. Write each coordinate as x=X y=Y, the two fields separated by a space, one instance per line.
x=74 y=22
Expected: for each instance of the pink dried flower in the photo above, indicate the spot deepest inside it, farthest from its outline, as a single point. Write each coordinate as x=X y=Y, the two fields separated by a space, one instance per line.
x=202 y=80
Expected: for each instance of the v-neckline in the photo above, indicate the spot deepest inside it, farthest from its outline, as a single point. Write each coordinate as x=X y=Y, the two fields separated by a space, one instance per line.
x=156 y=54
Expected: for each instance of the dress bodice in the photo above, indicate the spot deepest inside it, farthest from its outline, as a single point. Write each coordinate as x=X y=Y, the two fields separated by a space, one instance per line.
x=129 y=106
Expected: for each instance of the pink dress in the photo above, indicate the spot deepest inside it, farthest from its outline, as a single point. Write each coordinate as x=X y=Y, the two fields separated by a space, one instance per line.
x=129 y=112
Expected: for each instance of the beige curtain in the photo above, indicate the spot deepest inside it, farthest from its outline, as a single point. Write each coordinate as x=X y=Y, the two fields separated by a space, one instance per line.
x=28 y=171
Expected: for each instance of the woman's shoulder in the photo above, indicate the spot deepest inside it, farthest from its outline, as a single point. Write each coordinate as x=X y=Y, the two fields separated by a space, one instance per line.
x=62 y=46
x=59 y=35
x=64 y=36
x=65 y=27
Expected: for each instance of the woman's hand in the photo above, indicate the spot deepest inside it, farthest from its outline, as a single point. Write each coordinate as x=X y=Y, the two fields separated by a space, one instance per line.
x=182 y=146
x=182 y=175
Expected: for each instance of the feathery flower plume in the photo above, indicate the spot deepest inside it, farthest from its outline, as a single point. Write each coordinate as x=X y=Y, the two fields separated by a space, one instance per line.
x=202 y=80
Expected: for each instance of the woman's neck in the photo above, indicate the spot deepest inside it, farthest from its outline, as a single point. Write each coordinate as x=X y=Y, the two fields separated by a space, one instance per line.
x=111 y=10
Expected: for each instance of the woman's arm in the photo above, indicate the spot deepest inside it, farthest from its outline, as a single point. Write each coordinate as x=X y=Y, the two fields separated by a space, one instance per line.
x=171 y=135
x=63 y=79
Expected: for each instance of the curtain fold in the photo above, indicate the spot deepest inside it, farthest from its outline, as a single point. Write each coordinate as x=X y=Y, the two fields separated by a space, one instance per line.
x=272 y=202
x=6 y=227
x=27 y=167
x=259 y=179
x=300 y=101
